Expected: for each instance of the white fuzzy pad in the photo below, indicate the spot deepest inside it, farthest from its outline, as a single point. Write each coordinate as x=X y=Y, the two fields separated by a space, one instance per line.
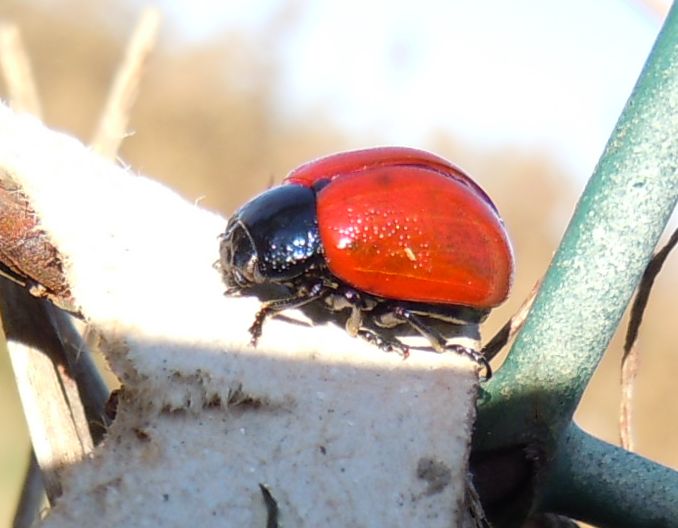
x=334 y=428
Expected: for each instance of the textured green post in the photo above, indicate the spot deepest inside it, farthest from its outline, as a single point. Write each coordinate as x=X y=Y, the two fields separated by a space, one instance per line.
x=527 y=407
x=608 y=243
x=605 y=485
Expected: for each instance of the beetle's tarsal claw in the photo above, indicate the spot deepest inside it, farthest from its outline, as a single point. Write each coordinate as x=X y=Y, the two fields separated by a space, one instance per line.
x=385 y=344
x=255 y=329
x=476 y=357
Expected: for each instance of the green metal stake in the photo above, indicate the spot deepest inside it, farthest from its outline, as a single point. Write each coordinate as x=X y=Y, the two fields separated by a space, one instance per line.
x=529 y=404
x=605 y=485
x=608 y=244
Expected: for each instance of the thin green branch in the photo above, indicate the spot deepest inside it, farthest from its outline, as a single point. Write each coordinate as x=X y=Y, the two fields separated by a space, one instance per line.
x=608 y=244
x=605 y=485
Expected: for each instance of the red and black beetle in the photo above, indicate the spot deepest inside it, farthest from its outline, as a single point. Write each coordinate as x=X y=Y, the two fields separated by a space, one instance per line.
x=388 y=236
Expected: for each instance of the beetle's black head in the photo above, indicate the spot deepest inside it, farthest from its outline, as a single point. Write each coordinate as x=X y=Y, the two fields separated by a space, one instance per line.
x=273 y=238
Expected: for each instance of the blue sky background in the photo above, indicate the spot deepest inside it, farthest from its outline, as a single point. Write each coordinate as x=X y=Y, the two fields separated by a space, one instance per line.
x=543 y=75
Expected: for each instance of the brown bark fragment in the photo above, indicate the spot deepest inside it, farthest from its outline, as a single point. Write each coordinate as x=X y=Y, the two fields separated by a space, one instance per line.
x=26 y=253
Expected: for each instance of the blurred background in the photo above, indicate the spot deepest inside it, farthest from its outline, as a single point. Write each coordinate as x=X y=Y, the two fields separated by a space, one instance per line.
x=521 y=94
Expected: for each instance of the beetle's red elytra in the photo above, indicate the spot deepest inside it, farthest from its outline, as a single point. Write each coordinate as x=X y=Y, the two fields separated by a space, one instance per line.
x=420 y=237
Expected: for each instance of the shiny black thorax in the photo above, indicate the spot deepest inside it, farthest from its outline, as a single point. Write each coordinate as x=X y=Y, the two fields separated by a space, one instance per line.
x=279 y=230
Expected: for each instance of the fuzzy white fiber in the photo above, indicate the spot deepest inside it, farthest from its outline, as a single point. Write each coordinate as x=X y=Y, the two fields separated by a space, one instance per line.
x=339 y=433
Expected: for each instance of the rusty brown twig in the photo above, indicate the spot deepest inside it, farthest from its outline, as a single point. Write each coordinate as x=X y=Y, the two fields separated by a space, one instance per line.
x=629 y=364
x=511 y=327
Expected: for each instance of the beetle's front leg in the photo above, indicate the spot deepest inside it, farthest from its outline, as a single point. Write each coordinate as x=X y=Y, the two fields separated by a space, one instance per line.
x=270 y=308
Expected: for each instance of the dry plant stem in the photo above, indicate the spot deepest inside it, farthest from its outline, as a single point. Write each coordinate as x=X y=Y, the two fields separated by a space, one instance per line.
x=549 y=520
x=24 y=249
x=112 y=126
x=630 y=357
x=51 y=439
x=629 y=369
x=511 y=328
x=476 y=517
x=60 y=433
x=23 y=95
x=17 y=71
x=55 y=416
x=92 y=388
x=31 y=498
x=86 y=385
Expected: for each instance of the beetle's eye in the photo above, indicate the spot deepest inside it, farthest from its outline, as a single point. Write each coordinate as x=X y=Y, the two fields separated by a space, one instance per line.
x=238 y=255
x=239 y=279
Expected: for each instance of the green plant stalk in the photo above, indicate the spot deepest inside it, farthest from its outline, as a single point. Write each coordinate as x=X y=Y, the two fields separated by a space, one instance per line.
x=608 y=486
x=608 y=244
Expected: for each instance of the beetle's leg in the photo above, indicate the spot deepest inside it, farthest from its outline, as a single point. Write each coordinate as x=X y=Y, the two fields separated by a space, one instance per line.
x=476 y=356
x=355 y=301
x=361 y=308
x=434 y=337
x=384 y=344
x=270 y=308
x=438 y=341
x=355 y=321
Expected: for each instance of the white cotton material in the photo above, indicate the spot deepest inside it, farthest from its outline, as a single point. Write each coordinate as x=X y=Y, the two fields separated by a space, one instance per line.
x=340 y=433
